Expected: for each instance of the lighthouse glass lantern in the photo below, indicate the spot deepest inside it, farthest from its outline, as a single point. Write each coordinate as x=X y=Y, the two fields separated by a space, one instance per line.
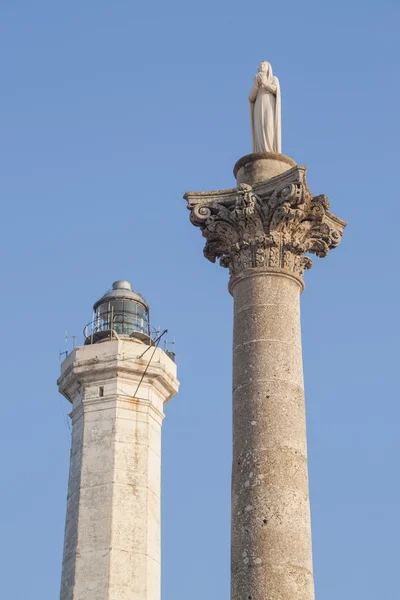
x=120 y=312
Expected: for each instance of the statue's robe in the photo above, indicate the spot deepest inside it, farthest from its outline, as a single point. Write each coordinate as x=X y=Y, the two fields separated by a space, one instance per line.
x=265 y=115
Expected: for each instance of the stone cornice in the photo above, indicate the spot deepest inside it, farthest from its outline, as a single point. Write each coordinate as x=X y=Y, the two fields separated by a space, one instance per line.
x=271 y=224
x=139 y=405
x=91 y=370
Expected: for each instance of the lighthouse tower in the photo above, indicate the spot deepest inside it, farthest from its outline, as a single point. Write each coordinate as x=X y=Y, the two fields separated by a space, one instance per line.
x=117 y=383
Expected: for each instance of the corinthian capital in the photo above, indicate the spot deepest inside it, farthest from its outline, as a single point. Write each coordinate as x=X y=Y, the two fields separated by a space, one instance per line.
x=274 y=223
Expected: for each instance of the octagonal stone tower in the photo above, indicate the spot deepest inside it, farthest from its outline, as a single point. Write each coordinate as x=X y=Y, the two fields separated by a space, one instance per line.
x=262 y=230
x=117 y=382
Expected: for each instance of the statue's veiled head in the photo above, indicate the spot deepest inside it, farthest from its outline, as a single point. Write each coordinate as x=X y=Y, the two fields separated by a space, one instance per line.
x=265 y=67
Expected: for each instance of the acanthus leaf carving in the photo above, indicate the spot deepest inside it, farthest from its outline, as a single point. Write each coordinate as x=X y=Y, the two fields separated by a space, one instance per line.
x=266 y=225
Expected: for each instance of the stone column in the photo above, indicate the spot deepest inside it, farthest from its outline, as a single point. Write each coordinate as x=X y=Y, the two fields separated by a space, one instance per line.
x=261 y=231
x=112 y=533
x=271 y=532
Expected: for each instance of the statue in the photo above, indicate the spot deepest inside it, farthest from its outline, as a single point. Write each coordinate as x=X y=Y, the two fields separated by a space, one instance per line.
x=265 y=111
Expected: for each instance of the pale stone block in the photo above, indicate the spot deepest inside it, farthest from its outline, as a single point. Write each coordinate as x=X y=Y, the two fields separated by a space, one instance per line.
x=154 y=471
x=128 y=576
x=269 y=321
x=257 y=167
x=91 y=575
x=129 y=512
x=271 y=415
x=267 y=360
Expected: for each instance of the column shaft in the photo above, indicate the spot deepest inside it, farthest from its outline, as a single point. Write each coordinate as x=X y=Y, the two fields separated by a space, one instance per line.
x=271 y=556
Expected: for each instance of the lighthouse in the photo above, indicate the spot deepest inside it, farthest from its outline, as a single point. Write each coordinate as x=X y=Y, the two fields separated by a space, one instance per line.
x=117 y=383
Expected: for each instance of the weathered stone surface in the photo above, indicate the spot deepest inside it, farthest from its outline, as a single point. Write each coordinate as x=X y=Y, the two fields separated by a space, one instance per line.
x=262 y=230
x=253 y=168
x=271 y=533
x=112 y=535
x=271 y=223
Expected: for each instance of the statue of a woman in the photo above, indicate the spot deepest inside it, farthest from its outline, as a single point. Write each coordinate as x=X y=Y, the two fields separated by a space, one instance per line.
x=265 y=110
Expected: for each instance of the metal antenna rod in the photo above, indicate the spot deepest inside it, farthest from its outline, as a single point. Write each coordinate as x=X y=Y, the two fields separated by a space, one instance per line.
x=70 y=337
x=157 y=341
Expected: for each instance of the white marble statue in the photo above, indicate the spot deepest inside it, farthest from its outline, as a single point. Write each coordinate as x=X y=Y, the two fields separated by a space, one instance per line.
x=265 y=110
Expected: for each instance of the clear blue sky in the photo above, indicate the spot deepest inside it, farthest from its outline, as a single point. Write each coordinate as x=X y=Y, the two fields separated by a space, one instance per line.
x=109 y=112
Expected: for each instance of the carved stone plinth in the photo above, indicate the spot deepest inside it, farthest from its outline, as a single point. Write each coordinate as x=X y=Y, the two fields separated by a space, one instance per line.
x=262 y=231
x=253 y=168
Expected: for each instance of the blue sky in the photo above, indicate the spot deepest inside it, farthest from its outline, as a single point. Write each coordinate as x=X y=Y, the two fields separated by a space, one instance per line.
x=109 y=112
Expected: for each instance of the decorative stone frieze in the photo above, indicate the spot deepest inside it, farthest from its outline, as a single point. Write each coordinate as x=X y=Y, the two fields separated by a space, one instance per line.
x=273 y=223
